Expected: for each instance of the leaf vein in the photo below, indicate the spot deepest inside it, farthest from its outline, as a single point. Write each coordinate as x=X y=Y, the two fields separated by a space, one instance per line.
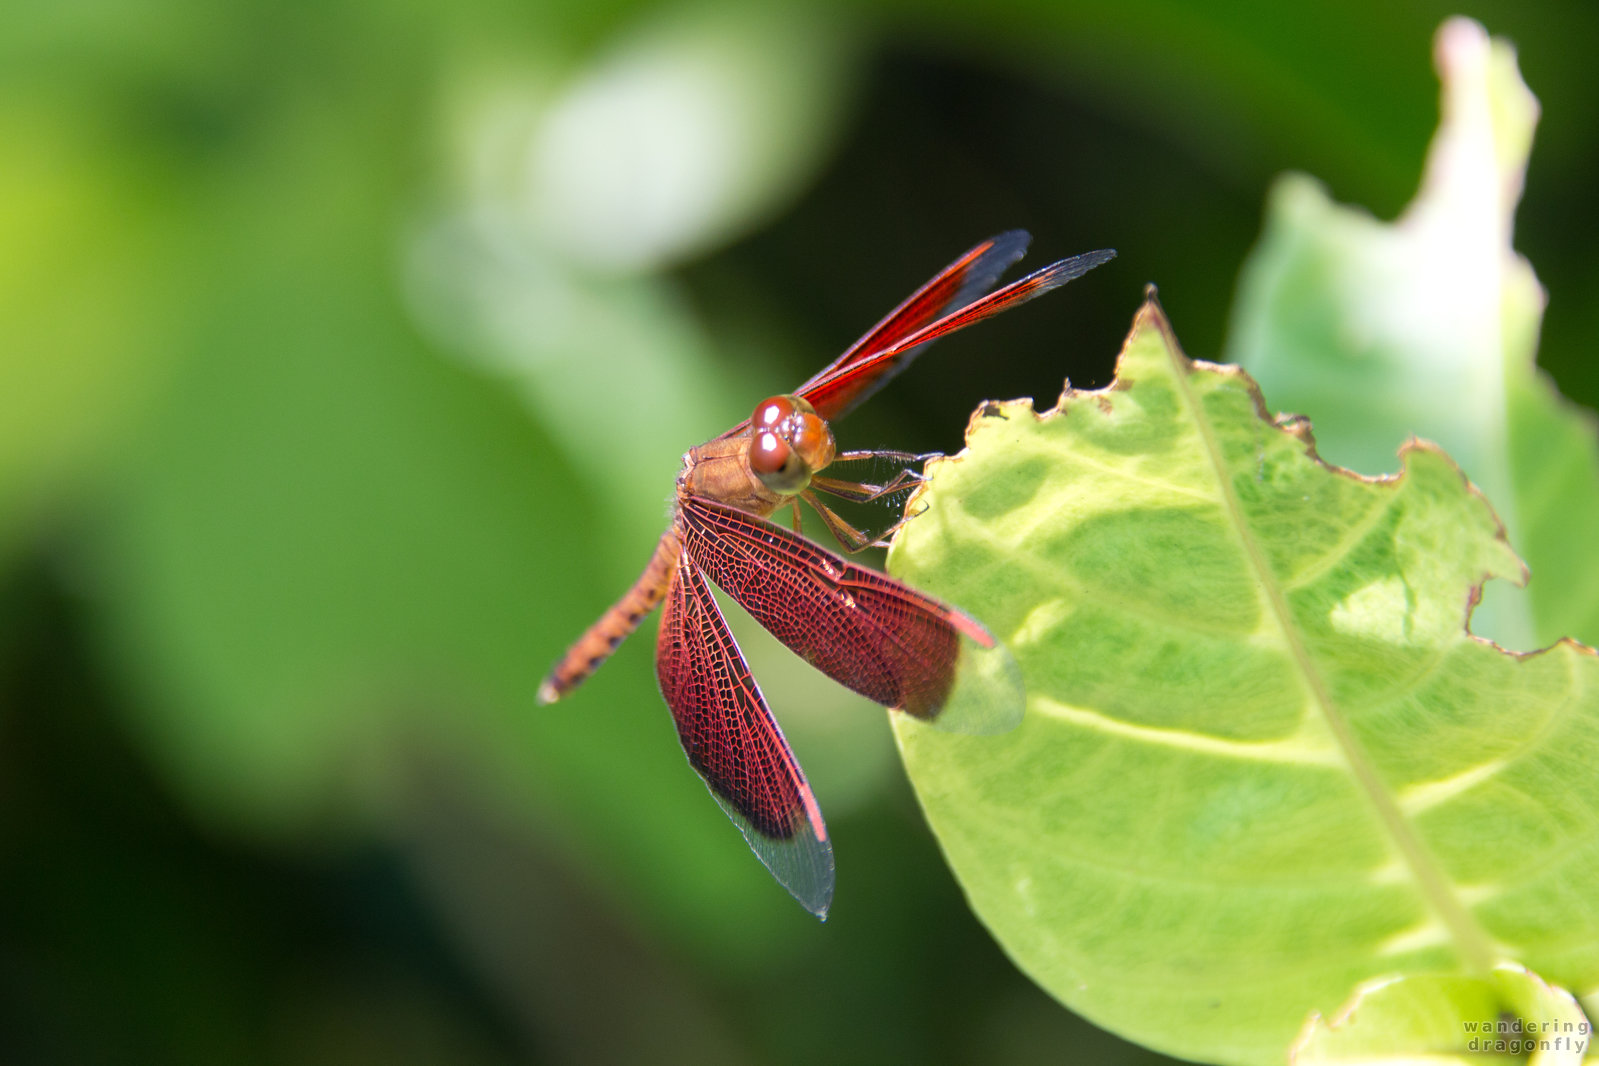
x=1468 y=936
x=1351 y=540
x=1286 y=752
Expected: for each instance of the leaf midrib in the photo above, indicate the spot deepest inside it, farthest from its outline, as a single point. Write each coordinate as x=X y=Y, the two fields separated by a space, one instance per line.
x=1470 y=939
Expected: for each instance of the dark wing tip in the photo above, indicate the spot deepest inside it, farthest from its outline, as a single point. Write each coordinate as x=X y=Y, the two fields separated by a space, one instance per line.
x=1078 y=265
x=1058 y=273
x=1009 y=246
x=1040 y=281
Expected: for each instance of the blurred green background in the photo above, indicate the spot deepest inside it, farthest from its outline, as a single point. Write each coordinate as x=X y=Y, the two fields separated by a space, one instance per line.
x=347 y=352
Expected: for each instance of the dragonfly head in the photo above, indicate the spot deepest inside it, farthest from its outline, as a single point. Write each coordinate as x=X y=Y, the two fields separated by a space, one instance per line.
x=789 y=442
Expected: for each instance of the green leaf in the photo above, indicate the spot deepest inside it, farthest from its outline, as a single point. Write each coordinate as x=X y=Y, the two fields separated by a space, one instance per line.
x=1263 y=760
x=75 y=378
x=1428 y=326
x=684 y=130
x=1508 y=1016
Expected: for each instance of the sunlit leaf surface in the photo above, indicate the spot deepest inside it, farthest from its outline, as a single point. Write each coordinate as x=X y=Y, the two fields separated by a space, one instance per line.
x=1263 y=760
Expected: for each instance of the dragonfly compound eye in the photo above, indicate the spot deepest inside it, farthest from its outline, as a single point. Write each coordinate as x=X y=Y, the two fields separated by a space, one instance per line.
x=773 y=411
x=811 y=439
x=777 y=465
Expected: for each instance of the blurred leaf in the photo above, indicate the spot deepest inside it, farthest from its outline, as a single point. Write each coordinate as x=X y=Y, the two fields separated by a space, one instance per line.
x=333 y=555
x=618 y=370
x=691 y=125
x=1508 y=1016
x=1428 y=326
x=85 y=293
x=574 y=185
x=1263 y=760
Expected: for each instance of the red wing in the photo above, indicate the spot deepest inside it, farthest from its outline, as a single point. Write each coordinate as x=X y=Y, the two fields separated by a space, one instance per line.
x=840 y=388
x=955 y=286
x=865 y=630
x=734 y=744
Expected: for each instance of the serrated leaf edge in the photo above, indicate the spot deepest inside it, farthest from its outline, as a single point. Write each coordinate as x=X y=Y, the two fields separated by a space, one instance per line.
x=1473 y=942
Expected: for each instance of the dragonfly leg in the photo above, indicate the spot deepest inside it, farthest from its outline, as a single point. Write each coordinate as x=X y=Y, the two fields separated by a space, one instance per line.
x=851 y=539
x=865 y=491
x=900 y=468
x=798 y=521
x=882 y=478
x=887 y=453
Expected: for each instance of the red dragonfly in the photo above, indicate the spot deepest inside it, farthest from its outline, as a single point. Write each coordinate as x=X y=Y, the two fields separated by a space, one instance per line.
x=862 y=628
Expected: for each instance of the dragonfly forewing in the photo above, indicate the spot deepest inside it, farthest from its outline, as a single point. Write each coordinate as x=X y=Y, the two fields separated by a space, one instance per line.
x=841 y=388
x=880 y=637
x=957 y=285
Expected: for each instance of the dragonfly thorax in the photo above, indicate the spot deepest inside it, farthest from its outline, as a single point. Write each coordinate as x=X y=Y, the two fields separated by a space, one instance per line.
x=788 y=443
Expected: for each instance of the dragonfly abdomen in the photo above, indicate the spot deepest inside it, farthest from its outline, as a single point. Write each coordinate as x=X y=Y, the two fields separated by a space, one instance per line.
x=590 y=650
